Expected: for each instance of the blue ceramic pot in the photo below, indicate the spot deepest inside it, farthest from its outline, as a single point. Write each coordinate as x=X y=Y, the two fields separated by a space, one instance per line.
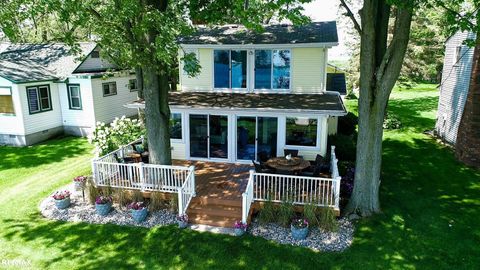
x=103 y=209
x=182 y=225
x=299 y=233
x=239 y=232
x=139 y=215
x=62 y=204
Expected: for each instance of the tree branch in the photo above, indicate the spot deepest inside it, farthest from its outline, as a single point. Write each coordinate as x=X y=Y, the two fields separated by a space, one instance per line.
x=352 y=16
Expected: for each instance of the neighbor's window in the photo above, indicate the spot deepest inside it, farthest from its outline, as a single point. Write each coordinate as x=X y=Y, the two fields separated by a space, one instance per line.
x=6 y=101
x=132 y=85
x=458 y=55
x=176 y=126
x=109 y=89
x=95 y=54
x=39 y=99
x=272 y=69
x=230 y=69
x=301 y=131
x=74 y=97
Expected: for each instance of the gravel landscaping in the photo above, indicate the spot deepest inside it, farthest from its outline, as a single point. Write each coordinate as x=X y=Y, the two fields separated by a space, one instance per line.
x=82 y=211
x=317 y=239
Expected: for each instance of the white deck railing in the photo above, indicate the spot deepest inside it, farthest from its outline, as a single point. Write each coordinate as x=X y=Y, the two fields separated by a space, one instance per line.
x=299 y=190
x=107 y=171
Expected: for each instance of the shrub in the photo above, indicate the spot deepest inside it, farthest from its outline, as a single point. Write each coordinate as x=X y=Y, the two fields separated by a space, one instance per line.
x=328 y=220
x=156 y=201
x=286 y=213
x=347 y=125
x=92 y=191
x=173 y=203
x=310 y=212
x=109 y=137
x=137 y=196
x=345 y=146
x=268 y=214
x=391 y=122
x=346 y=184
x=121 y=196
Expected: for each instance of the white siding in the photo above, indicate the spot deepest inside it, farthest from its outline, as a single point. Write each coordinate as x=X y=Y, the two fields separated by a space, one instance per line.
x=454 y=87
x=44 y=120
x=78 y=118
x=204 y=80
x=308 y=70
x=12 y=124
x=94 y=64
x=109 y=107
x=332 y=125
x=178 y=150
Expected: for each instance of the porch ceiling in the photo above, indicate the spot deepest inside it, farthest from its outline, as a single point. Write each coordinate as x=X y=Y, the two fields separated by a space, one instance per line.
x=324 y=103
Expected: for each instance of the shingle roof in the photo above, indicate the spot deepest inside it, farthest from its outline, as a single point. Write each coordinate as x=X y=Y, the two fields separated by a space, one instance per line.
x=40 y=62
x=315 y=32
x=325 y=103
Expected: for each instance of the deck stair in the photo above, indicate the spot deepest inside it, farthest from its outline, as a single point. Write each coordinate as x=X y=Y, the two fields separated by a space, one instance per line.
x=214 y=211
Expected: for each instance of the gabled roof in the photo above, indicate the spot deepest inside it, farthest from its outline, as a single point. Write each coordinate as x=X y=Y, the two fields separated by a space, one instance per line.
x=322 y=103
x=315 y=32
x=21 y=63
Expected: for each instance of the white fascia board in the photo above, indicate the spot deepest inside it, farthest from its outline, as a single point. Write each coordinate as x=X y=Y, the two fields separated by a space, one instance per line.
x=260 y=46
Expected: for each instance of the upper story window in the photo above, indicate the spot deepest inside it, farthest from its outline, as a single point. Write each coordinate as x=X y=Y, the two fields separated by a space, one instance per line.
x=458 y=55
x=132 y=85
x=272 y=69
x=74 y=97
x=176 y=126
x=39 y=99
x=6 y=101
x=301 y=131
x=230 y=69
x=109 y=89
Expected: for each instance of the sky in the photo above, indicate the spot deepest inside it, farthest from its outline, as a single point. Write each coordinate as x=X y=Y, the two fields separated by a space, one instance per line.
x=328 y=10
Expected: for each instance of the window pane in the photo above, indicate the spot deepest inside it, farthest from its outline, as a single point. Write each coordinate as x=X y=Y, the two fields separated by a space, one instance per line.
x=281 y=69
x=106 y=89
x=239 y=69
x=75 y=103
x=6 y=104
x=74 y=91
x=263 y=69
x=132 y=84
x=43 y=92
x=246 y=128
x=113 y=88
x=221 y=69
x=32 y=97
x=45 y=103
x=176 y=126
x=218 y=136
x=301 y=131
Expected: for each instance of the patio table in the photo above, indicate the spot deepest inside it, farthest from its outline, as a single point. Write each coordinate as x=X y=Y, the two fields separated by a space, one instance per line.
x=293 y=165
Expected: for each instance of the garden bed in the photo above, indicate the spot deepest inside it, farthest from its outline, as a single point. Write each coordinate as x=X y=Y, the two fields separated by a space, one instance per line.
x=82 y=211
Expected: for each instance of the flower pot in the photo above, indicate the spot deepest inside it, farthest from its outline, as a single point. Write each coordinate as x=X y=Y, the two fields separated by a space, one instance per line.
x=78 y=186
x=299 y=233
x=139 y=215
x=103 y=209
x=182 y=224
x=239 y=232
x=62 y=204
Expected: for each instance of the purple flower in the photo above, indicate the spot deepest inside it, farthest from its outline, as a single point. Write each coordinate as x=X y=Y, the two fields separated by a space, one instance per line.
x=300 y=223
x=182 y=218
x=61 y=195
x=103 y=200
x=136 y=206
x=240 y=225
x=81 y=179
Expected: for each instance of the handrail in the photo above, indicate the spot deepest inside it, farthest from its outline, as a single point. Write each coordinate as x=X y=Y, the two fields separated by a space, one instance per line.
x=187 y=191
x=247 y=197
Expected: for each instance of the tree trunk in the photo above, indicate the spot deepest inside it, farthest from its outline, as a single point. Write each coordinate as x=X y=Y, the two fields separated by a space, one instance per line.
x=157 y=114
x=467 y=148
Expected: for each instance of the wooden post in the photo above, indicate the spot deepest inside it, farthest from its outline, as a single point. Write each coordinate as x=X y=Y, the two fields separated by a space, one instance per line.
x=192 y=171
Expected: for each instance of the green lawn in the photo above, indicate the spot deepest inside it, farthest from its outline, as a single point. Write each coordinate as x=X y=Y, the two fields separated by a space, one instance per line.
x=431 y=210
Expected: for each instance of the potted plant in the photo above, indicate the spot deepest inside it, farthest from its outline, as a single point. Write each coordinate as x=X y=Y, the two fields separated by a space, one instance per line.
x=138 y=210
x=182 y=221
x=240 y=228
x=62 y=199
x=79 y=182
x=103 y=204
x=299 y=228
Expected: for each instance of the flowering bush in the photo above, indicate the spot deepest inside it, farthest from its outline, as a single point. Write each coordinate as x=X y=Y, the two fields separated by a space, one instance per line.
x=391 y=122
x=61 y=195
x=240 y=225
x=103 y=200
x=109 y=137
x=80 y=179
x=300 y=223
x=182 y=218
x=136 y=206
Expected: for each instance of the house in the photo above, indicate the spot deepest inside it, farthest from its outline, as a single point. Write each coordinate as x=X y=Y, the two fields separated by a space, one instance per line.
x=45 y=90
x=454 y=87
x=257 y=95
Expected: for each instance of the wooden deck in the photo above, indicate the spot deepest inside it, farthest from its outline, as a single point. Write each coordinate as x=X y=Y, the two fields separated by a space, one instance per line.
x=219 y=188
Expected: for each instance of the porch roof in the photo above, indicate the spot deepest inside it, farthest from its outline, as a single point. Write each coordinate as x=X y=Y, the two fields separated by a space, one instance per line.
x=322 y=103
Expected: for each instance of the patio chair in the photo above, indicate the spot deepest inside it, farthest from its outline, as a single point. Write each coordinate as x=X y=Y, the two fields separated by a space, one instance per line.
x=263 y=156
x=292 y=152
x=259 y=168
x=314 y=172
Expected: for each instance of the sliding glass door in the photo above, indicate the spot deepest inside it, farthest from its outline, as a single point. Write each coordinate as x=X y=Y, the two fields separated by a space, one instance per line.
x=256 y=137
x=208 y=136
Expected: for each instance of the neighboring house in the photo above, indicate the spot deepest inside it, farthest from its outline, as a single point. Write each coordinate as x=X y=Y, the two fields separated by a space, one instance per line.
x=256 y=95
x=457 y=69
x=45 y=91
x=336 y=80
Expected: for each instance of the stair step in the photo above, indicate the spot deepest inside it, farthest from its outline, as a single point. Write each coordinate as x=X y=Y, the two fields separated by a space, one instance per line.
x=214 y=210
x=226 y=222
x=214 y=201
